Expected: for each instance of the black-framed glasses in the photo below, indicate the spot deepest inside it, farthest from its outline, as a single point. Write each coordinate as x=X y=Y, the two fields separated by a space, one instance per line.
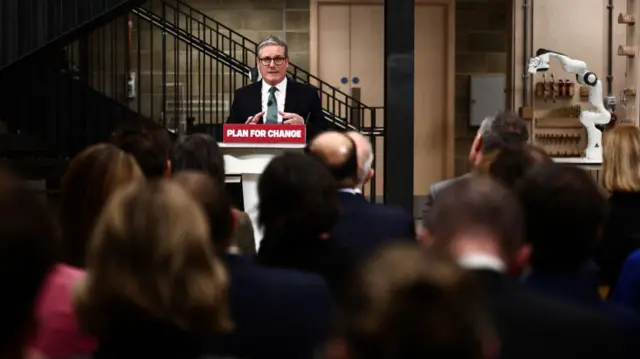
x=266 y=61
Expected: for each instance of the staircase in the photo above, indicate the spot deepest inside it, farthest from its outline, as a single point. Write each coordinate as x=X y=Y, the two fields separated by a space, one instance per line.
x=32 y=26
x=162 y=60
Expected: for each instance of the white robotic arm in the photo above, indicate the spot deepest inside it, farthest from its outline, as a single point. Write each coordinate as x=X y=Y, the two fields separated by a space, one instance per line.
x=589 y=119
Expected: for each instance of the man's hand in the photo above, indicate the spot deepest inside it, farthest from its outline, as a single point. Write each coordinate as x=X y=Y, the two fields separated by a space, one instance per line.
x=252 y=120
x=291 y=118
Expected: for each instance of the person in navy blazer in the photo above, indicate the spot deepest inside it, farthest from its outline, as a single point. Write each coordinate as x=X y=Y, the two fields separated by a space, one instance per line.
x=296 y=103
x=362 y=226
x=276 y=313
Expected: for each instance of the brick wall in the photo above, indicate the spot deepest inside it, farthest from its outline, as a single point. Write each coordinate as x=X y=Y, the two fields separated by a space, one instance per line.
x=257 y=19
x=482 y=47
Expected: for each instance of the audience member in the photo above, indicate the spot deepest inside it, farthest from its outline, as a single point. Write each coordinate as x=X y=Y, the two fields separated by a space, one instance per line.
x=510 y=165
x=92 y=177
x=298 y=207
x=504 y=130
x=409 y=303
x=200 y=152
x=564 y=210
x=361 y=226
x=277 y=313
x=621 y=177
x=28 y=246
x=153 y=287
x=481 y=224
x=149 y=142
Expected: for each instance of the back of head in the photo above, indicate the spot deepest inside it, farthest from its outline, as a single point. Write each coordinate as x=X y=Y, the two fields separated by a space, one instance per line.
x=504 y=130
x=477 y=205
x=27 y=253
x=621 y=159
x=213 y=197
x=297 y=196
x=365 y=156
x=338 y=152
x=151 y=259
x=148 y=141
x=564 y=209
x=198 y=152
x=406 y=302
x=92 y=177
x=510 y=165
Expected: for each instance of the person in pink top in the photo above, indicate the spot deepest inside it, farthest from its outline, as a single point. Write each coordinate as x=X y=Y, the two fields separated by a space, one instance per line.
x=91 y=178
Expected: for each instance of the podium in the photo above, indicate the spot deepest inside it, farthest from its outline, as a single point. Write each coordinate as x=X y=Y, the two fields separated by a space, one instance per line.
x=247 y=150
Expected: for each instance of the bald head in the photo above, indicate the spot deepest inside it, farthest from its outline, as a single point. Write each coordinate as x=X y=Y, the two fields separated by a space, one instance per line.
x=339 y=153
x=334 y=148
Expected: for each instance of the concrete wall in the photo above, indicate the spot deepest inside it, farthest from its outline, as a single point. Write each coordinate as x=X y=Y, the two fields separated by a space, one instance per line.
x=483 y=31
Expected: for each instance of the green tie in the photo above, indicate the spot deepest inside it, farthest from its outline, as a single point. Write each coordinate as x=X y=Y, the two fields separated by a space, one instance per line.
x=272 y=106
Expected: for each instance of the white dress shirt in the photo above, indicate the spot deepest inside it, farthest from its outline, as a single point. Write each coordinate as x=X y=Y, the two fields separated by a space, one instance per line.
x=281 y=96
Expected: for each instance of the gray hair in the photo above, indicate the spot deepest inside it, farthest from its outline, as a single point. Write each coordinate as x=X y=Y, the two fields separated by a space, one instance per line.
x=505 y=129
x=366 y=166
x=273 y=40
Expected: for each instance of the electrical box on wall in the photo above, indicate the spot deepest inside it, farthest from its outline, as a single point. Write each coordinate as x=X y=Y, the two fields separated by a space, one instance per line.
x=487 y=97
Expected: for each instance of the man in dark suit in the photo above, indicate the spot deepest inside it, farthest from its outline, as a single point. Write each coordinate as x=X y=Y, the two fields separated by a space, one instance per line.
x=362 y=226
x=277 y=313
x=275 y=99
x=506 y=129
x=481 y=224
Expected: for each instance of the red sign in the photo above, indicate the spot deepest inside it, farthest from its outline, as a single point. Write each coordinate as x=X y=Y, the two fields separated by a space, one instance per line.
x=242 y=133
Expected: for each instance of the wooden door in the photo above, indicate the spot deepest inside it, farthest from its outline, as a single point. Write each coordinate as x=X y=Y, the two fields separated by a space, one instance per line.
x=353 y=33
x=430 y=111
x=335 y=45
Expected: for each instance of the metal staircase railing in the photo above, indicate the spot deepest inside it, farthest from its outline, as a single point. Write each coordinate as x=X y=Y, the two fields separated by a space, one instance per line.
x=238 y=52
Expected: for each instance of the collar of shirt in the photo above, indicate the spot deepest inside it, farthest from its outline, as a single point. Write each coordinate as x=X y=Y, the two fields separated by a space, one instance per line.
x=233 y=250
x=282 y=87
x=481 y=261
x=350 y=190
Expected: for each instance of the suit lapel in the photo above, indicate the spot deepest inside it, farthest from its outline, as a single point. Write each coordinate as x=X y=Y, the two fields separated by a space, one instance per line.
x=290 y=97
x=255 y=102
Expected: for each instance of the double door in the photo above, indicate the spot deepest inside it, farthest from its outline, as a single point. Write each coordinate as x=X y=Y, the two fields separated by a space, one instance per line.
x=350 y=56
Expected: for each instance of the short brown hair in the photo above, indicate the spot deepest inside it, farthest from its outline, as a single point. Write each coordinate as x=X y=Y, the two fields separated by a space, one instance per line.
x=93 y=175
x=621 y=159
x=151 y=256
x=407 y=302
x=478 y=204
x=211 y=194
x=146 y=140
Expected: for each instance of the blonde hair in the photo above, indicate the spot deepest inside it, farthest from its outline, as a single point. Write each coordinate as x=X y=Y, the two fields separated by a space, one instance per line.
x=621 y=159
x=150 y=254
x=92 y=177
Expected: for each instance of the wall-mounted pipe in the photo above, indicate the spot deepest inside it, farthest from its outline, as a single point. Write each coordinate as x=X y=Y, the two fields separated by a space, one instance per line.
x=610 y=51
x=525 y=53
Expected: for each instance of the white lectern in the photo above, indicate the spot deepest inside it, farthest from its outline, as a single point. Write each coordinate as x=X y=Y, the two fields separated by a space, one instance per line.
x=243 y=163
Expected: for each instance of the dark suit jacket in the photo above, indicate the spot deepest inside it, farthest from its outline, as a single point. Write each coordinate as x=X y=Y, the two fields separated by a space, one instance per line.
x=324 y=257
x=363 y=226
x=620 y=236
x=531 y=325
x=277 y=313
x=300 y=99
x=433 y=193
